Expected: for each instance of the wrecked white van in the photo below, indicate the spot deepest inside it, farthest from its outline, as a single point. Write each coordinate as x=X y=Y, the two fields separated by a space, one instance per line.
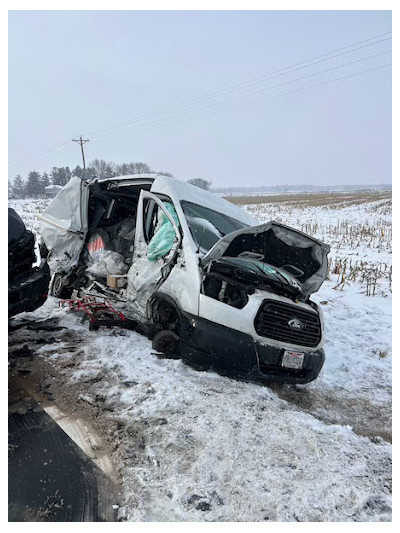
x=214 y=286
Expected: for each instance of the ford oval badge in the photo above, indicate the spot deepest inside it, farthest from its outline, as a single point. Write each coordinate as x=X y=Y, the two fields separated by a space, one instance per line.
x=295 y=323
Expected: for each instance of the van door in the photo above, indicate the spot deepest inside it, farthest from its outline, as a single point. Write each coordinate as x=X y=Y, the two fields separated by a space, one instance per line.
x=157 y=241
x=64 y=225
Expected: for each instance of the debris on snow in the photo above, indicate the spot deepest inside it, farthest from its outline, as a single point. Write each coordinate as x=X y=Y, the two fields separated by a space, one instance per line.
x=196 y=446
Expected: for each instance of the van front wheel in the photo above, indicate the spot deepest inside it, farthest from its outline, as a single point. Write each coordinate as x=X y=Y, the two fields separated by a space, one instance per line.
x=166 y=342
x=166 y=318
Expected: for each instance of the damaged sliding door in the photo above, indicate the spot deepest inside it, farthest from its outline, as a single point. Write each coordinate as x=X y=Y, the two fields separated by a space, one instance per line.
x=157 y=241
x=64 y=225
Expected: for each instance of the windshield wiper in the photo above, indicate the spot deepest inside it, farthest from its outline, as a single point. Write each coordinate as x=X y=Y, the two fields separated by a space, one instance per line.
x=275 y=272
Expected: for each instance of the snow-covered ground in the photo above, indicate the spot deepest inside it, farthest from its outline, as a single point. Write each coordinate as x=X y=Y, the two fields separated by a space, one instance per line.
x=196 y=446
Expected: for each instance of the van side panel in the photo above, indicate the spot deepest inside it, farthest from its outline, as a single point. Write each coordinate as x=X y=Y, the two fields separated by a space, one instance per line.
x=184 y=281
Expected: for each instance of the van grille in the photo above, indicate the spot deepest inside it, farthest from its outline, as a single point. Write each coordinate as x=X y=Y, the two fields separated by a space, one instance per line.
x=273 y=319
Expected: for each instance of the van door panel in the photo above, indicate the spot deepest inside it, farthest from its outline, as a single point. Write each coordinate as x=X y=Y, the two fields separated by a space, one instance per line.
x=145 y=277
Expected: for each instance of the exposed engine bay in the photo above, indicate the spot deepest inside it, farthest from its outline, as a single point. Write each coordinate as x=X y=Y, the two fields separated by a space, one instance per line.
x=232 y=279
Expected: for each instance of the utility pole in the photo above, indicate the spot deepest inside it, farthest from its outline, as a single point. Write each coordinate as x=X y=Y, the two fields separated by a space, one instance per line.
x=82 y=142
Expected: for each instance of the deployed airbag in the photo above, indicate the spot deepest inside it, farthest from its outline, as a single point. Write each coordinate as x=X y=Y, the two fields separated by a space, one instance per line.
x=164 y=237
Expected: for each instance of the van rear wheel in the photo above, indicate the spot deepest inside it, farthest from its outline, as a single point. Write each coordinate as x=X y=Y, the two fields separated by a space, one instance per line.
x=59 y=289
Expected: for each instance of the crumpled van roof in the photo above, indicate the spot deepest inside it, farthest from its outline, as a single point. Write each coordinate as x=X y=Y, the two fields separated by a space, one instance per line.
x=182 y=191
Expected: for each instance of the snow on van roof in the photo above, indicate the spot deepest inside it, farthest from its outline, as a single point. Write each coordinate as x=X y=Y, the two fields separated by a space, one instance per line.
x=181 y=191
x=149 y=176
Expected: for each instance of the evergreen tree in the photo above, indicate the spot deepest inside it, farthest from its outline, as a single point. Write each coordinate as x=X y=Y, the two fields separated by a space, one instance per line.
x=19 y=186
x=45 y=181
x=54 y=175
x=11 y=192
x=60 y=176
x=33 y=185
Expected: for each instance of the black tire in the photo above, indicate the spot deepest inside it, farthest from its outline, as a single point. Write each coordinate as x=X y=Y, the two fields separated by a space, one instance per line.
x=59 y=289
x=166 y=342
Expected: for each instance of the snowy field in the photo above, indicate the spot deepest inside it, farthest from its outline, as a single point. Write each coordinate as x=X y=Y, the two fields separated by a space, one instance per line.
x=196 y=446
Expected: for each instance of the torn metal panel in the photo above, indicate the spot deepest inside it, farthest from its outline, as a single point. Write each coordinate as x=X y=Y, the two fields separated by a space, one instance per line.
x=64 y=225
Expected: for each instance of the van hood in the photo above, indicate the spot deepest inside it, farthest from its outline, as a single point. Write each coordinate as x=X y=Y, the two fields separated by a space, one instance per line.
x=296 y=255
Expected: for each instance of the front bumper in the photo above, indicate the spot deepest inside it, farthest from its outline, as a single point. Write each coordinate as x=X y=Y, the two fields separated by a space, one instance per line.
x=28 y=290
x=207 y=345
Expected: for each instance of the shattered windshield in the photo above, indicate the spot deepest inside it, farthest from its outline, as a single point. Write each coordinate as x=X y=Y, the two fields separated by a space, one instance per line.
x=208 y=226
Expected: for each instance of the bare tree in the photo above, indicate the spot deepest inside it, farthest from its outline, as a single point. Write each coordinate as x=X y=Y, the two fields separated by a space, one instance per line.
x=102 y=169
x=142 y=168
x=132 y=168
x=199 y=182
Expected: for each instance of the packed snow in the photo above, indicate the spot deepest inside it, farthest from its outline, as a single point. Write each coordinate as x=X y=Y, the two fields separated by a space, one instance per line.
x=196 y=446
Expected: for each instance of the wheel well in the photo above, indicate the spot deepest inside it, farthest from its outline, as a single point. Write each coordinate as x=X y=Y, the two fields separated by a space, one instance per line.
x=165 y=312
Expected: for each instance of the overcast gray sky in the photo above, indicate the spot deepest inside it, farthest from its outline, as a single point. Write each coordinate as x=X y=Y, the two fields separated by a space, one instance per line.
x=142 y=87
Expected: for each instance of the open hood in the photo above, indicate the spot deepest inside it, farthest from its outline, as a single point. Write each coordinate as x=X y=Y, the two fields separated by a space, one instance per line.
x=292 y=251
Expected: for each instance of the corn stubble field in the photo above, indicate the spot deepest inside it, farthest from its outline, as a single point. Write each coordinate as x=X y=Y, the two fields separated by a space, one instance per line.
x=367 y=228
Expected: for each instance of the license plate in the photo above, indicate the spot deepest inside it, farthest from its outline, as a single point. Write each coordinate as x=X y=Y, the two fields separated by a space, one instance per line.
x=292 y=359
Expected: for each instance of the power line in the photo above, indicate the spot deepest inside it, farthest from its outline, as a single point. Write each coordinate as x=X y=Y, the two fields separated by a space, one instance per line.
x=253 y=81
x=133 y=127
x=38 y=155
x=220 y=93
x=250 y=103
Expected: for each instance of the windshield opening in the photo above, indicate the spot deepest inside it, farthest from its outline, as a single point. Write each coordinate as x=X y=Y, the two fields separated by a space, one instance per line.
x=208 y=226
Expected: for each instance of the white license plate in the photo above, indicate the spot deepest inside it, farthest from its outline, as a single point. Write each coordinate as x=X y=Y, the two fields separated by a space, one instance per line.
x=292 y=359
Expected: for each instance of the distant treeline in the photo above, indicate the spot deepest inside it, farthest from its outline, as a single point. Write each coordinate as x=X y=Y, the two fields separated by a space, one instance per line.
x=35 y=183
x=301 y=188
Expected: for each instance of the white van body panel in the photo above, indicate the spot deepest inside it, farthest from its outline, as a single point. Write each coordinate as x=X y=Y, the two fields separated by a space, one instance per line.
x=184 y=282
x=64 y=225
